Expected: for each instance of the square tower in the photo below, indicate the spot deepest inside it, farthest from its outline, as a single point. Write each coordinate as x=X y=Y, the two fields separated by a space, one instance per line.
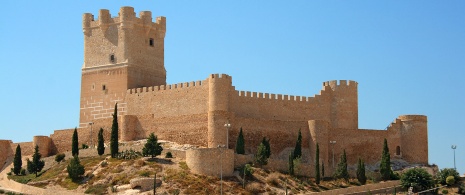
x=120 y=53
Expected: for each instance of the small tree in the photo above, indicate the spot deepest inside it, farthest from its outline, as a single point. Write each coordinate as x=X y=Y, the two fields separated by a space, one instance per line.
x=75 y=169
x=361 y=177
x=317 y=165
x=341 y=171
x=418 y=178
x=298 y=146
x=240 y=144
x=291 y=163
x=75 y=143
x=385 y=166
x=114 y=134
x=152 y=147
x=261 y=157
x=59 y=157
x=100 y=144
x=266 y=143
x=36 y=165
x=17 y=162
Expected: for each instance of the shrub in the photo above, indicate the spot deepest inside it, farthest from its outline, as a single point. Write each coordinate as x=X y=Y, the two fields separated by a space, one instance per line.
x=169 y=155
x=273 y=179
x=361 y=177
x=104 y=163
x=59 y=157
x=461 y=189
x=140 y=163
x=9 y=173
x=96 y=189
x=450 y=180
x=446 y=172
x=85 y=146
x=248 y=170
x=341 y=171
x=261 y=157
x=152 y=147
x=445 y=191
x=75 y=169
x=23 y=171
x=420 y=179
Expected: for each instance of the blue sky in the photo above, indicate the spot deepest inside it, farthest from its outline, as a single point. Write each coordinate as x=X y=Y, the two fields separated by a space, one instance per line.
x=407 y=56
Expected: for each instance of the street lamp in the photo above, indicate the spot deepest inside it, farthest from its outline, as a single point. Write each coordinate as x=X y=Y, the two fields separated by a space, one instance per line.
x=227 y=125
x=453 y=148
x=333 y=143
x=91 y=138
x=221 y=166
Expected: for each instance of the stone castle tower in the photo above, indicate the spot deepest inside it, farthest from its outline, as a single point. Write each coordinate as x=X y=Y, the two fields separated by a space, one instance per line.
x=120 y=53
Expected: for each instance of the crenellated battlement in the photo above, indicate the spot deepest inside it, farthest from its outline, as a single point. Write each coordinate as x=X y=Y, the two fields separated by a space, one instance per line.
x=271 y=96
x=126 y=19
x=335 y=84
x=165 y=87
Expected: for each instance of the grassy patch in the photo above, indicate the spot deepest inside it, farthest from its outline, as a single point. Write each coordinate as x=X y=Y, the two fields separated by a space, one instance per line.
x=97 y=189
x=68 y=184
x=24 y=179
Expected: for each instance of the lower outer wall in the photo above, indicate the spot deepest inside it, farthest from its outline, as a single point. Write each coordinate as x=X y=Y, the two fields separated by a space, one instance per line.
x=208 y=161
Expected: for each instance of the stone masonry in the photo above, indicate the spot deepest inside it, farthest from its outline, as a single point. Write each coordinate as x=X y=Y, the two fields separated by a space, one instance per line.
x=124 y=64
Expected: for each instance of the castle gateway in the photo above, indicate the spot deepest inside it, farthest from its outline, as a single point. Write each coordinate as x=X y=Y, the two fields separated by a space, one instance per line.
x=124 y=64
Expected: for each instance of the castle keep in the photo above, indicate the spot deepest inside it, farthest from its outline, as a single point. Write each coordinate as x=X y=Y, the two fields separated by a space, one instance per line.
x=124 y=64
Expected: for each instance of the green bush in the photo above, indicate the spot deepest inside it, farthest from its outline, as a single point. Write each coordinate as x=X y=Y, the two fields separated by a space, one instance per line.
x=59 y=157
x=23 y=171
x=248 y=170
x=419 y=178
x=75 y=169
x=450 y=180
x=85 y=146
x=461 y=189
x=446 y=172
x=169 y=155
x=445 y=191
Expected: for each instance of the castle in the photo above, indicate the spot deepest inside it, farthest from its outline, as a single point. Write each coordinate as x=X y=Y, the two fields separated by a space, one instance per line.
x=124 y=64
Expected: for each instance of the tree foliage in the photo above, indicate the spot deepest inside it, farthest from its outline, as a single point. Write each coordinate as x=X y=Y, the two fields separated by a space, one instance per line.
x=291 y=163
x=341 y=171
x=317 y=165
x=17 y=162
x=266 y=143
x=75 y=169
x=261 y=156
x=100 y=144
x=36 y=165
x=114 y=134
x=75 y=143
x=446 y=172
x=298 y=146
x=418 y=178
x=59 y=157
x=152 y=147
x=240 y=144
x=385 y=166
x=361 y=177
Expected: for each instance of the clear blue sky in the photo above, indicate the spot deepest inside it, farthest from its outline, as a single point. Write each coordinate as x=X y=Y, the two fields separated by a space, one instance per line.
x=408 y=57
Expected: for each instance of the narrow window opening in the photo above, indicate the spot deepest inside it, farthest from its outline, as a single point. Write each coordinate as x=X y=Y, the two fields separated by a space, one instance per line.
x=112 y=58
x=398 y=150
x=151 y=42
x=104 y=87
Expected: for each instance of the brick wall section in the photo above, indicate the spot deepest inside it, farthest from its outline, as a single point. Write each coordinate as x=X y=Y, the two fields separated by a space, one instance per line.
x=207 y=161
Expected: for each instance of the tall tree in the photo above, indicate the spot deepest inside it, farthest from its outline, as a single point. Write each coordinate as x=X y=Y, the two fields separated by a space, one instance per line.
x=341 y=171
x=323 y=169
x=17 y=162
x=152 y=147
x=317 y=165
x=298 y=146
x=266 y=143
x=75 y=143
x=291 y=163
x=75 y=169
x=385 y=166
x=261 y=157
x=100 y=145
x=114 y=134
x=361 y=177
x=240 y=144
x=36 y=165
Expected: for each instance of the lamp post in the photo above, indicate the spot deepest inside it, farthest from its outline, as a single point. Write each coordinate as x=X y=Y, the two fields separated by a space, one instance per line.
x=227 y=125
x=221 y=166
x=453 y=148
x=332 y=143
x=91 y=138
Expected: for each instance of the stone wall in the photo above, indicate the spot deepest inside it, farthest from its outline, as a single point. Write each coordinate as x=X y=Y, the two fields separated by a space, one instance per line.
x=5 y=152
x=211 y=161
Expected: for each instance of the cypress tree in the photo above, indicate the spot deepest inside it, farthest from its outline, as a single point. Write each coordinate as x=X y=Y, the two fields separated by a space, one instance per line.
x=100 y=144
x=385 y=166
x=361 y=177
x=317 y=165
x=261 y=157
x=291 y=163
x=114 y=134
x=75 y=143
x=36 y=165
x=298 y=146
x=266 y=143
x=323 y=169
x=341 y=171
x=240 y=144
x=75 y=169
x=152 y=147
x=17 y=162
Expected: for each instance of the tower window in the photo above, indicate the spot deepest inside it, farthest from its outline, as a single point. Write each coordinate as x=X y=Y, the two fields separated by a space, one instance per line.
x=151 y=42
x=112 y=58
x=104 y=87
x=398 y=150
